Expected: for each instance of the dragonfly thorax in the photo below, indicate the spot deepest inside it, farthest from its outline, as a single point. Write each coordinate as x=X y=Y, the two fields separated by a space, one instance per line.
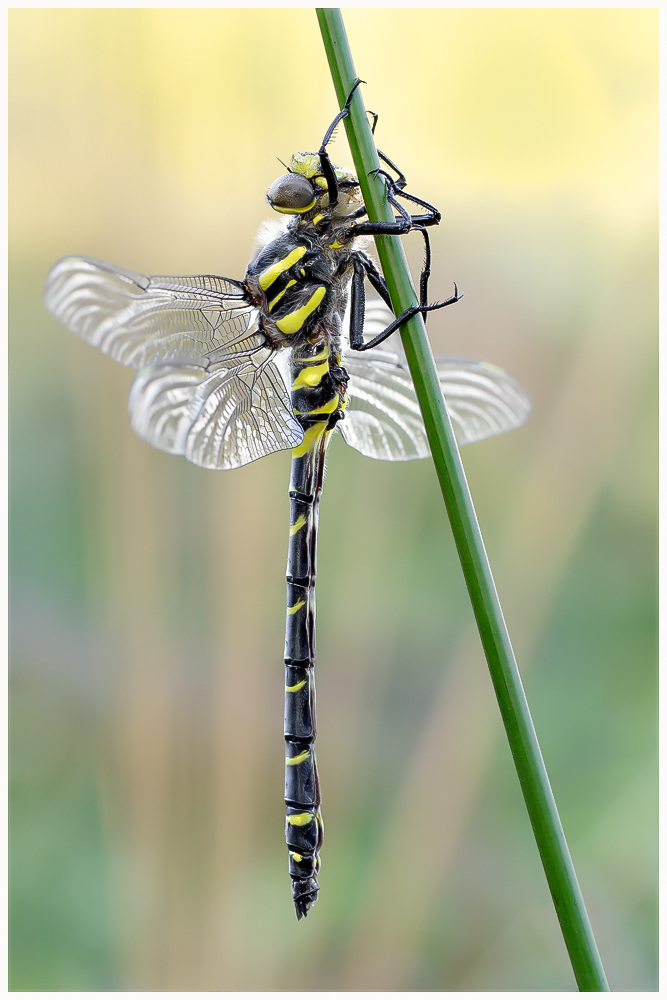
x=299 y=283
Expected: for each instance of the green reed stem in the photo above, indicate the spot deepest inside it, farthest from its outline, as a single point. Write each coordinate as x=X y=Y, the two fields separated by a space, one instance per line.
x=514 y=710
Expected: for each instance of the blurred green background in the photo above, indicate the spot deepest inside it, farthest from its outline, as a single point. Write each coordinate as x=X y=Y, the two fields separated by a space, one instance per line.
x=148 y=595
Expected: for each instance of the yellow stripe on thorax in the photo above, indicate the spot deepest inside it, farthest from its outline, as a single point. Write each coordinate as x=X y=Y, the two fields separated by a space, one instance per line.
x=310 y=437
x=293 y=322
x=296 y=687
x=280 y=294
x=267 y=277
x=293 y=610
x=299 y=759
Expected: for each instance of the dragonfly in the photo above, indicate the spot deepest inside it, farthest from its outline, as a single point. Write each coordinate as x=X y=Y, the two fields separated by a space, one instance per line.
x=231 y=371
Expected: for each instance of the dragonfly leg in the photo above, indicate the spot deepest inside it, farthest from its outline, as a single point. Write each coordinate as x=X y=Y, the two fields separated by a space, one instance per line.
x=426 y=268
x=365 y=268
x=399 y=184
x=374 y=276
x=396 y=189
x=357 y=304
x=401 y=181
x=358 y=345
x=325 y=162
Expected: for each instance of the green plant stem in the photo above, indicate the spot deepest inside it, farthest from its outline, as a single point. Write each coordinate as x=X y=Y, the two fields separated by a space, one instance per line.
x=514 y=710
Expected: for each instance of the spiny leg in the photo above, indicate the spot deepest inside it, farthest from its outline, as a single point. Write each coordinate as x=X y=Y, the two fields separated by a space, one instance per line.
x=403 y=223
x=426 y=268
x=399 y=184
x=394 y=190
x=377 y=279
x=402 y=179
x=325 y=163
x=356 y=335
x=365 y=268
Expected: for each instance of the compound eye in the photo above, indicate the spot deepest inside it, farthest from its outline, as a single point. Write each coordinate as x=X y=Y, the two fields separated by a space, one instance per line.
x=291 y=194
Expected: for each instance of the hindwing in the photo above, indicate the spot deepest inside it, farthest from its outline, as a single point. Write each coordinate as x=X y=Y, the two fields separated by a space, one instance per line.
x=218 y=413
x=383 y=419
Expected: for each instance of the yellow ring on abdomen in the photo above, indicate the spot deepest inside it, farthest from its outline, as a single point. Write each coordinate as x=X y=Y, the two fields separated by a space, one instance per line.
x=310 y=439
x=310 y=376
x=326 y=408
x=296 y=687
x=298 y=524
x=301 y=819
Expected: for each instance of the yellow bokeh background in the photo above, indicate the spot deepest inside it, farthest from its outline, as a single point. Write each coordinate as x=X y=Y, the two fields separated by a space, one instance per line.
x=148 y=599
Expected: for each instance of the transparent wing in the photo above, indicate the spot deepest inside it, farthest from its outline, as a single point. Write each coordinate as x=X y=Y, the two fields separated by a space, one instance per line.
x=482 y=399
x=139 y=320
x=383 y=420
x=219 y=412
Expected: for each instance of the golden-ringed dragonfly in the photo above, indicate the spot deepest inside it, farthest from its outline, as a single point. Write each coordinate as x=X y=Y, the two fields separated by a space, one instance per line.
x=230 y=371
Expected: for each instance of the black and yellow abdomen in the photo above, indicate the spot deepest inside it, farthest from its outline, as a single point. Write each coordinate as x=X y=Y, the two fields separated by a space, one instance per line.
x=318 y=400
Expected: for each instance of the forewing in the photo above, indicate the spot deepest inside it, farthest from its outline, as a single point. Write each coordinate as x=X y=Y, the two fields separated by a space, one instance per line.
x=139 y=320
x=383 y=419
x=219 y=414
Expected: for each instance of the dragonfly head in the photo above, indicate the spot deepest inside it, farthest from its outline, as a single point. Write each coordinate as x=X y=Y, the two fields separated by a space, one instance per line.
x=303 y=189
